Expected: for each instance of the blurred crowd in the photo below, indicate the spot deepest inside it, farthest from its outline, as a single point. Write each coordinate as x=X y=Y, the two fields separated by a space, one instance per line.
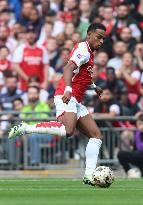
x=36 y=38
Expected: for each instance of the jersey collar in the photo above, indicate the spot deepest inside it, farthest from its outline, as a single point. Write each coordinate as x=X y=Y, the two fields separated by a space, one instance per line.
x=89 y=49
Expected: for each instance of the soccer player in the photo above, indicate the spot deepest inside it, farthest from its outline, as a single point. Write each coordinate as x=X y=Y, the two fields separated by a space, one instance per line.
x=70 y=112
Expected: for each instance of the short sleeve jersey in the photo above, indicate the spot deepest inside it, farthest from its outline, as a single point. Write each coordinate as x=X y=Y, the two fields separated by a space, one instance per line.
x=31 y=61
x=83 y=58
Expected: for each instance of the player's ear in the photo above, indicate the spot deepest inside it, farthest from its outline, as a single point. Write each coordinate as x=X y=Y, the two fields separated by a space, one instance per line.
x=89 y=34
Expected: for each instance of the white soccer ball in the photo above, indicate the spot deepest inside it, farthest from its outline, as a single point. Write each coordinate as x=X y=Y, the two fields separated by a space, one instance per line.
x=103 y=176
x=134 y=173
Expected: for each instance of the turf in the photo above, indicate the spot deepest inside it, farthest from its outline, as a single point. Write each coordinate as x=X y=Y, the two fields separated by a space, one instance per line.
x=68 y=192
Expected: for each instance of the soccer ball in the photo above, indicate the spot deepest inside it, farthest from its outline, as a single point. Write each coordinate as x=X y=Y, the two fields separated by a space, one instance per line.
x=103 y=176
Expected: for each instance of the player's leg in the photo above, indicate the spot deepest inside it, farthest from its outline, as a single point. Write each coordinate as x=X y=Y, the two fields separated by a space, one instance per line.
x=88 y=126
x=63 y=127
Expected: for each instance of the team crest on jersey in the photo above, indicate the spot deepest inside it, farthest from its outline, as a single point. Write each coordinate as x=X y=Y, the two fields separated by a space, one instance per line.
x=79 y=56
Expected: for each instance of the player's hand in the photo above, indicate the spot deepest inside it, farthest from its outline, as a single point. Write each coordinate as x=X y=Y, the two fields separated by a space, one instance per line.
x=98 y=90
x=66 y=97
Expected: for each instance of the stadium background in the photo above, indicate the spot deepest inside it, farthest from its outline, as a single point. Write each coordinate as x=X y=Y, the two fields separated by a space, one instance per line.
x=59 y=25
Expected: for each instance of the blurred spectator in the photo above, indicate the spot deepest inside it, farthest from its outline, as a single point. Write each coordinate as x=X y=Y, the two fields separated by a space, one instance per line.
x=53 y=52
x=2 y=81
x=129 y=105
x=69 y=44
x=35 y=107
x=3 y=122
x=7 y=18
x=85 y=10
x=25 y=13
x=5 y=63
x=140 y=100
x=46 y=32
x=35 y=20
x=114 y=84
x=31 y=60
x=101 y=60
x=124 y=19
x=58 y=24
x=134 y=154
x=43 y=94
x=14 y=154
x=109 y=19
x=76 y=37
x=69 y=30
x=19 y=34
x=45 y=6
x=107 y=107
x=70 y=5
x=6 y=40
x=63 y=60
x=119 y=49
x=10 y=92
x=96 y=76
x=126 y=37
x=129 y=74
x=3 y=5
x=15 y=6
x=138 y=53
x=17 y=104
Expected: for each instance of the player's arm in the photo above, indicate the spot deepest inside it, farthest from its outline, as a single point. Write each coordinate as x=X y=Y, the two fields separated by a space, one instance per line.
x=20 y=72
x=68 y=74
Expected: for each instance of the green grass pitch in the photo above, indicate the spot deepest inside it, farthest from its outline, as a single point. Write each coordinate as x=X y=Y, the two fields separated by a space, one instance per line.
x=69 y=192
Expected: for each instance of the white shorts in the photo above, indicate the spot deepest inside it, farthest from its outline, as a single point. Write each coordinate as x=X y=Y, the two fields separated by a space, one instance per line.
x=72 y=106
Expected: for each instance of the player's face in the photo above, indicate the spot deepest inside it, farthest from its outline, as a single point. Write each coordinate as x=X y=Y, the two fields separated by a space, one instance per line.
x=96 y=39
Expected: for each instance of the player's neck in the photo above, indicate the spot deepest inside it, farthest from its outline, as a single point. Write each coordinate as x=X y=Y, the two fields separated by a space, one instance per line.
x=89 y=46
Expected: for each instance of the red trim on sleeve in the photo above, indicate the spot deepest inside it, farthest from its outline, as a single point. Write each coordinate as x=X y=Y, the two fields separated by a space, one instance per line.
x=61 y=114
x=74 y=62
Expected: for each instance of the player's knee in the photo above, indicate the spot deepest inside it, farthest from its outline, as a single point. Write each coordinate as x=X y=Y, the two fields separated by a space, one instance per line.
x=96 y=134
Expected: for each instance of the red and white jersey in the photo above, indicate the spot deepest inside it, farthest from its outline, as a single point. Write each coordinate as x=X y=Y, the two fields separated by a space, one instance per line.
x=32 y=61
x=5 y=65
x=83 y=58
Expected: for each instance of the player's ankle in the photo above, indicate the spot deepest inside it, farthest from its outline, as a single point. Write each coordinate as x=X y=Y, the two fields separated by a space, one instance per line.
x=89 y=171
